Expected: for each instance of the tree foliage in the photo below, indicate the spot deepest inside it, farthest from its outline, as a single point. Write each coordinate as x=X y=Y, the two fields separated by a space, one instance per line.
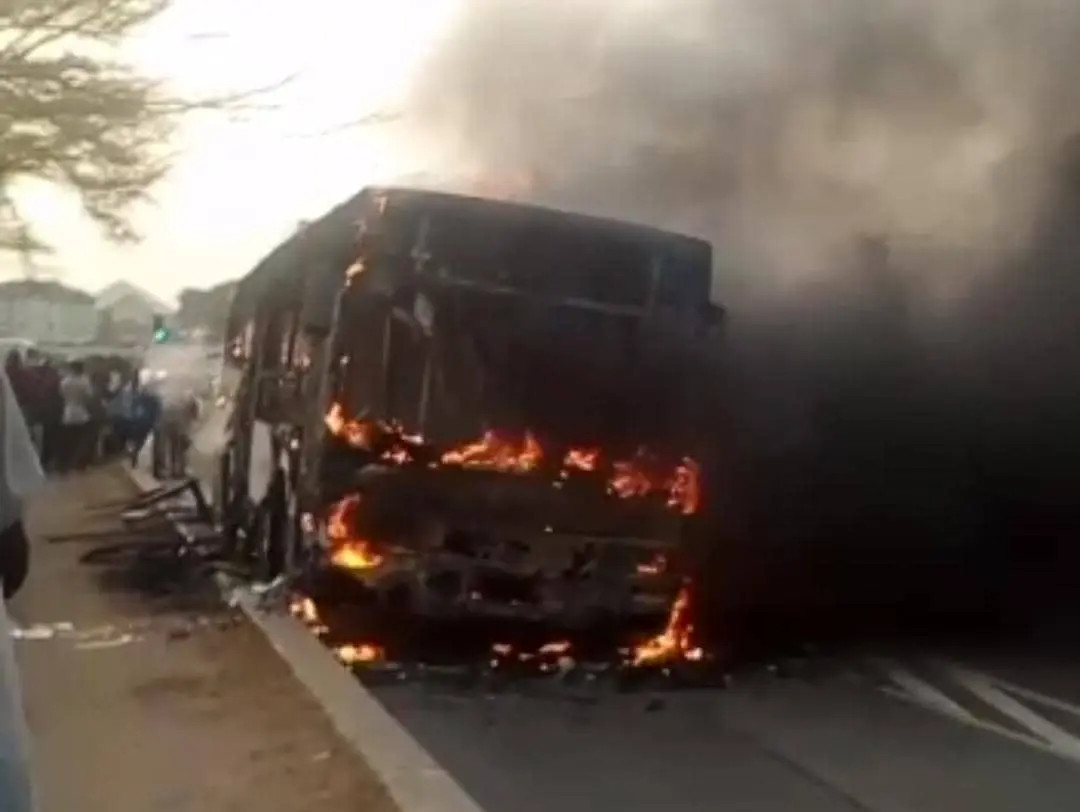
x=207 y=309
x=73 y=113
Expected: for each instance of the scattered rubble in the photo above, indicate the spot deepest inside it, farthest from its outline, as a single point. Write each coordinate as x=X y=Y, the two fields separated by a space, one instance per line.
x=561 y=668
x=109 y=635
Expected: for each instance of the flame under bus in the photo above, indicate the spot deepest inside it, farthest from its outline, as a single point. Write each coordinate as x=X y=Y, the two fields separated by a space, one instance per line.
x=493 y=401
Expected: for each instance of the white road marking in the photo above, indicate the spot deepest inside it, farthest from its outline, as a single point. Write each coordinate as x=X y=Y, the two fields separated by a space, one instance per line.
x=1041 y=734
x=922 y=692
x=1035 y=696
x=985 y=687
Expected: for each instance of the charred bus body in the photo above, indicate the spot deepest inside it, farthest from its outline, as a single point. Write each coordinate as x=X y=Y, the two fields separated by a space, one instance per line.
x=470 y=407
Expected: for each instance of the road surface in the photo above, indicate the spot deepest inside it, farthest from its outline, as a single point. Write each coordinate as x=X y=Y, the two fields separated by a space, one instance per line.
x=834 y=743
x=906 y=730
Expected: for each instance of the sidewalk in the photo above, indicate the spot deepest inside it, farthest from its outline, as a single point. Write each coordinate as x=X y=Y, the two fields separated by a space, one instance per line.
x=141 y=696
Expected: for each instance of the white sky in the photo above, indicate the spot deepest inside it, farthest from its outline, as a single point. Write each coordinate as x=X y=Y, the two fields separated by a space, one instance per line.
x=239 y=187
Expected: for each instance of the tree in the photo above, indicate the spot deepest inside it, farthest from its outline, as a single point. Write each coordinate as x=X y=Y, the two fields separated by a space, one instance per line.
x=72 y=113
x=206 y=309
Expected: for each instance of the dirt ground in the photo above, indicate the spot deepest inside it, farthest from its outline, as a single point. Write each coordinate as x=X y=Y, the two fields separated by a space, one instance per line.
x=145 y=693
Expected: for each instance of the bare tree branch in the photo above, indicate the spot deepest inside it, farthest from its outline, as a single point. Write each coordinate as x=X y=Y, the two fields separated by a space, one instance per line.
x=370 y=120
x=73 y=114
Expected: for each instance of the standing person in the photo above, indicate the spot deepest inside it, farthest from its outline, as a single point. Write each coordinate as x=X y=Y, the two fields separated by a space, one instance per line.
x=120 y=411
x=52 y=412
x=16 y=375
x=146 y=411
x=78 y=394
x=177 y=421
x=97 y=406
x=34 y=401
x=20 y=476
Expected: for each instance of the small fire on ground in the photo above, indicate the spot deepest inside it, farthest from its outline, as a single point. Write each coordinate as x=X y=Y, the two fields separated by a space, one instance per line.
x=349 y=654
x=674 y=644
x=676 y=641
x=639 y=477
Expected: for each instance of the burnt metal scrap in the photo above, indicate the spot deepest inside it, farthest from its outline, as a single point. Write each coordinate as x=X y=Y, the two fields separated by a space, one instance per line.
x=573 y=664
x=568 y=680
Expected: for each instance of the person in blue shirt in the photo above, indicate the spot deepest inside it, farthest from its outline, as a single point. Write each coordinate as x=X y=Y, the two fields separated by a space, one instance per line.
x=120 y=414
x=145 y=413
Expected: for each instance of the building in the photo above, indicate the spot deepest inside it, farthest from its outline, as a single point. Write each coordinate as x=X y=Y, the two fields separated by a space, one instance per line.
x=127 y=312
x=46 y=312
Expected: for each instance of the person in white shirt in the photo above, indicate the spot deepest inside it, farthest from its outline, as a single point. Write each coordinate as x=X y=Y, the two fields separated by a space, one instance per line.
x=20 y=476
x=77 y=393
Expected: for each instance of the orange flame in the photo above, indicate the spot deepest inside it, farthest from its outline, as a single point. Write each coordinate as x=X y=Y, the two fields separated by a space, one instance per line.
x=349 y=552
x=357 y=433
x=629 y=481
x=355 y=555
x=356 y=653
x=685 y=488
x=676 y=641
x=555 y=647
x=405 y=437
x=582 y=459
x=634 y=479
x=304 y=608
x=398 y=455
x=492 y=452
x=657 y=566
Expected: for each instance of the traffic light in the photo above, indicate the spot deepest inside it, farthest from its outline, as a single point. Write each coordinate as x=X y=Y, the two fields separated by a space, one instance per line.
x=161 y=333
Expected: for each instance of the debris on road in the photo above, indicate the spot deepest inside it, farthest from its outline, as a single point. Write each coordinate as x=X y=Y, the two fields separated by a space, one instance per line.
x=115 y=642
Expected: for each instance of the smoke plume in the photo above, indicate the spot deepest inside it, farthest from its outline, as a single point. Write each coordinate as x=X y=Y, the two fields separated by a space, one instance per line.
x=777 y=127
x=924 y=401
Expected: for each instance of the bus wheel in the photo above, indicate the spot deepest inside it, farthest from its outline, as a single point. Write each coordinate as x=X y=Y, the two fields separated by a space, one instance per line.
x=297 y=555
x=271 y=531
x=233 y=509
x=225 y=499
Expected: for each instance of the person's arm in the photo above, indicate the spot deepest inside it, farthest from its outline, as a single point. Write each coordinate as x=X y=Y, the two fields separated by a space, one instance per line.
x=20 y=470
x=14 y=558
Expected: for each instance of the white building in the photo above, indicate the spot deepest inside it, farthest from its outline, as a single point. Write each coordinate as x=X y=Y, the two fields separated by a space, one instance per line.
x=46 y=312
x=129 y=311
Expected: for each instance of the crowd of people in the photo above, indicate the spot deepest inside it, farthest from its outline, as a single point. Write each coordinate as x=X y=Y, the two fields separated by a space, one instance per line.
x=82 y=412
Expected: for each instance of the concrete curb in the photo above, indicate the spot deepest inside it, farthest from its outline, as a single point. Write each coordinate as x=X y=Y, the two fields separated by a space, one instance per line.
x=415 y=781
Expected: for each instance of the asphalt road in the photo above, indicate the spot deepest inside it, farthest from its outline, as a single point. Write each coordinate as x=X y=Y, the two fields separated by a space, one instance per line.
x=835 y=743
x=953 y=728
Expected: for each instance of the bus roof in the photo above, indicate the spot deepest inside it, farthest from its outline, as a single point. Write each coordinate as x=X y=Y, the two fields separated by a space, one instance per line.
x=503 y=210
x=333 y=237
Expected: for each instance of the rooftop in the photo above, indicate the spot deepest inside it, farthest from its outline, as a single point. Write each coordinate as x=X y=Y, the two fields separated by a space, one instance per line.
x=121 y=290
x=43 y=289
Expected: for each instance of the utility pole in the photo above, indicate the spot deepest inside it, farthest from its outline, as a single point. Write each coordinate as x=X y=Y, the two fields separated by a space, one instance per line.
x=25 y=245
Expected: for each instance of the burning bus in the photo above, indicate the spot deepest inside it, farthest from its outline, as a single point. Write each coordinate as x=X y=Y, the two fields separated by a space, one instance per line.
x=469 y=407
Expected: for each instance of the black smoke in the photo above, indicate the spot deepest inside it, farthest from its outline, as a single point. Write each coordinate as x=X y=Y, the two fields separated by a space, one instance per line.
x=893 y=191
